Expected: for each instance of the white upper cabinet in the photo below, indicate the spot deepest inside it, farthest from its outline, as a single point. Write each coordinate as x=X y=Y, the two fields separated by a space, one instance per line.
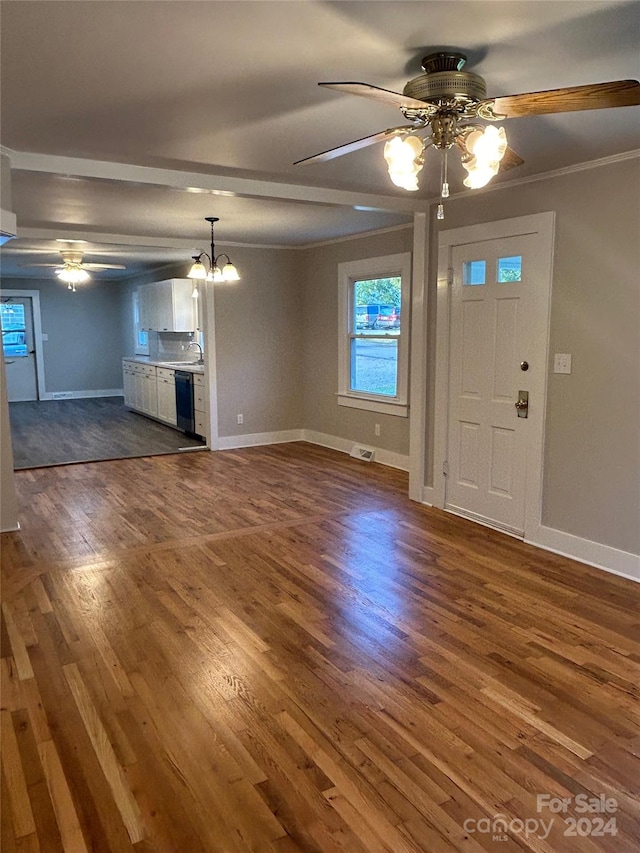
x=167 y=306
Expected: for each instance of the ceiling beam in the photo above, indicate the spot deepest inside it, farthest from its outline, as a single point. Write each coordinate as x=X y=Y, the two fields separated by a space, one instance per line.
x=215 y=184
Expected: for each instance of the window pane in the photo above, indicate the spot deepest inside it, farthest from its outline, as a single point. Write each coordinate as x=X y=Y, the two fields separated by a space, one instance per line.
x=14 y=338
x=510 y=269
x=474 y=272
x=374 y=366
x=376 y=305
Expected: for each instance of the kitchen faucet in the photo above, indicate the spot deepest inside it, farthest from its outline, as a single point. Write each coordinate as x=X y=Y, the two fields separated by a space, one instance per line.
x=196 y=344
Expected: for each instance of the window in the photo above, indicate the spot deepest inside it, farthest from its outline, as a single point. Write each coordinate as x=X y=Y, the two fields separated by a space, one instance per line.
x=141 y=338
x=14 y=330
x=474 y=272
x=374 y=334
x=510 y=269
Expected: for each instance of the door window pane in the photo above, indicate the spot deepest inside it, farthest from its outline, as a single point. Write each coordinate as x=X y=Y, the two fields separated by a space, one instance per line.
x=374 y=366
x=510 y=269
x=14 y=335
x=474 y=272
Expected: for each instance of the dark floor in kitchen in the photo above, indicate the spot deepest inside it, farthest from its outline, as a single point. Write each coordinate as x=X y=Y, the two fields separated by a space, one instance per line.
x=57 y=432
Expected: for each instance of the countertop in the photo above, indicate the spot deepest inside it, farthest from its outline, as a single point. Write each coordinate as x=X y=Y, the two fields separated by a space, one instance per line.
x=190 y=366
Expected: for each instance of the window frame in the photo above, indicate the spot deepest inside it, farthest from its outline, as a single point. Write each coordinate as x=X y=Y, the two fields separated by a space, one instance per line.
x=387 y=266
x=138 y=348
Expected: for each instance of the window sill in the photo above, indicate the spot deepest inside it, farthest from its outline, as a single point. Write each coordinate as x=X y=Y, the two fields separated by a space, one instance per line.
x=385 y=407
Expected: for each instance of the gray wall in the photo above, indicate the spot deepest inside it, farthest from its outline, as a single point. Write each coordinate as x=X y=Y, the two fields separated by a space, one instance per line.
x=259 y=343
x=319 y=273
x=592 y=442
x=83 y=352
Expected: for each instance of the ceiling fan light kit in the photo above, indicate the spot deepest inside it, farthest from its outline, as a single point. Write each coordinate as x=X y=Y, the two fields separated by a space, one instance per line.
x=447 y=102
x=72 y=269
x=216 y=273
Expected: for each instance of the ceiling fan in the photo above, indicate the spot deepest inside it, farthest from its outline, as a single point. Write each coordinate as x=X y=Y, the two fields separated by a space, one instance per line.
x=447 y=102
x=72 y=269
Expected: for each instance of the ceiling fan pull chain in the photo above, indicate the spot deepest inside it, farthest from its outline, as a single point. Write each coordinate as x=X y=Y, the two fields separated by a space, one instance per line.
x=444 y=192
x=444 y=179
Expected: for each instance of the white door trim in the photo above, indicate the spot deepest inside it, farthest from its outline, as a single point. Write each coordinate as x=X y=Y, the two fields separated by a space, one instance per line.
x=208 y=321
x=34 y=295
x=418 y=364
x=541 y=224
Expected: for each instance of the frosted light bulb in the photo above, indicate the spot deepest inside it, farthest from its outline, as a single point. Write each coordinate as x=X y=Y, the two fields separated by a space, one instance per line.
x=404 y=160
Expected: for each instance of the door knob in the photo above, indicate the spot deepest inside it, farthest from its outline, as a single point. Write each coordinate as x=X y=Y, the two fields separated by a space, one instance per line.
x=522 y=404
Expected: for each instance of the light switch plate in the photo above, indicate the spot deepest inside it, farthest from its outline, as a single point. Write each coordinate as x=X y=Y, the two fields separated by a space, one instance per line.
x=562 y=362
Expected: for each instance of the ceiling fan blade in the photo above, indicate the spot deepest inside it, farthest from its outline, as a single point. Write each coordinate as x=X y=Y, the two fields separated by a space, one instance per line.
x=355 y=145
x=41 y=265
x=510 y=160
x=103 y=267
x=597 y=96
x=386 y=96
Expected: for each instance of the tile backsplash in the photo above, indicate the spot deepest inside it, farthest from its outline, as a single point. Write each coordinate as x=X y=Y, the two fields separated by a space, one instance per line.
x=172 y=346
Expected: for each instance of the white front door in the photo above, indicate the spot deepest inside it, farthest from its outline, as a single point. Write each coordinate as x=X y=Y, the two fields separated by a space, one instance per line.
x=16 y=315
x=498 y=299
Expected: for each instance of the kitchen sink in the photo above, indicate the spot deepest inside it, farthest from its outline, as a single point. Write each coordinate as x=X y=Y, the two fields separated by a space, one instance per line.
x=181 y=363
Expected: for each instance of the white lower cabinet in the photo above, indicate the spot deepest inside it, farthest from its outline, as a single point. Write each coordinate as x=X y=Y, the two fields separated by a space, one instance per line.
x=151 y=391
x=199 y=405
x=150 y=395
x=167 y=396
x=140 y=387
x=129 y=384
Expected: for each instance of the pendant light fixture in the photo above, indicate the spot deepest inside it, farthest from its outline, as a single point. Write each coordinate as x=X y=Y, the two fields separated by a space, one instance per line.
x=217 y=273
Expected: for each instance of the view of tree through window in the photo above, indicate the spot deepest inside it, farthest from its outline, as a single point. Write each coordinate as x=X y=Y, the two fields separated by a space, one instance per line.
x=375 y=333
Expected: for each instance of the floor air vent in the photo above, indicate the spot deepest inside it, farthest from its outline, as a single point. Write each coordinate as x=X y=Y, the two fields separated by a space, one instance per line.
x=366 y=454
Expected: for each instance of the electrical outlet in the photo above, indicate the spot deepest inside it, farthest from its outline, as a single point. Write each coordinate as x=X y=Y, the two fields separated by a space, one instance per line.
x=376 y=429
x=240 y=419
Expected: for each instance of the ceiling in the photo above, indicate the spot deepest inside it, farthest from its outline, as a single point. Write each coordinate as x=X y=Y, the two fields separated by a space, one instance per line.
x=127 y=123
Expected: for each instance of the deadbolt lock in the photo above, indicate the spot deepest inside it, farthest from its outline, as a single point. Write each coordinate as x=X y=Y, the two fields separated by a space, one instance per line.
x=522 y=404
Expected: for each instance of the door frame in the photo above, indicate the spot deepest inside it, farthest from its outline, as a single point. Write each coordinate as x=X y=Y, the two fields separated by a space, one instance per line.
x=34 y=295
x=543 y=226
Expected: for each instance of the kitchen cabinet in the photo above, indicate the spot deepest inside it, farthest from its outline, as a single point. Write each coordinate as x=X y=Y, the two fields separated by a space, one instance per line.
x=150 y=394
x=199 y=405
x=139 y=383
x=129 y=384
x=151 y=390
x=167 y=396
x=167 y=306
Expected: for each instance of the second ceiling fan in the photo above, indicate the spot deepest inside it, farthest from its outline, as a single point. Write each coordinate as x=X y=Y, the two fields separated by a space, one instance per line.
x=72 y=268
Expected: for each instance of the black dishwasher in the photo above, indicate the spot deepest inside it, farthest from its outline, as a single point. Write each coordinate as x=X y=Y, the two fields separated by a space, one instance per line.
x=184 y=400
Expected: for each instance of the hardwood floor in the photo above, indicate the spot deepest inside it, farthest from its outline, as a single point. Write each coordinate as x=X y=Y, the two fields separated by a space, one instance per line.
x=57 y=432
x=273 y=649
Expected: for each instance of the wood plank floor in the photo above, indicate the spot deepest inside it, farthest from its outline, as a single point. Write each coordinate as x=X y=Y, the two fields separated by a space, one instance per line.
x=273 y=649
x=58 y=432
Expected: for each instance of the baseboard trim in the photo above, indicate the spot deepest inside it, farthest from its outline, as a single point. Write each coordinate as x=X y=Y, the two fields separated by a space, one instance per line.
x=81 y=395
x=255 y=439
x=605 y=557
x=334 y=442
x=621 y=563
